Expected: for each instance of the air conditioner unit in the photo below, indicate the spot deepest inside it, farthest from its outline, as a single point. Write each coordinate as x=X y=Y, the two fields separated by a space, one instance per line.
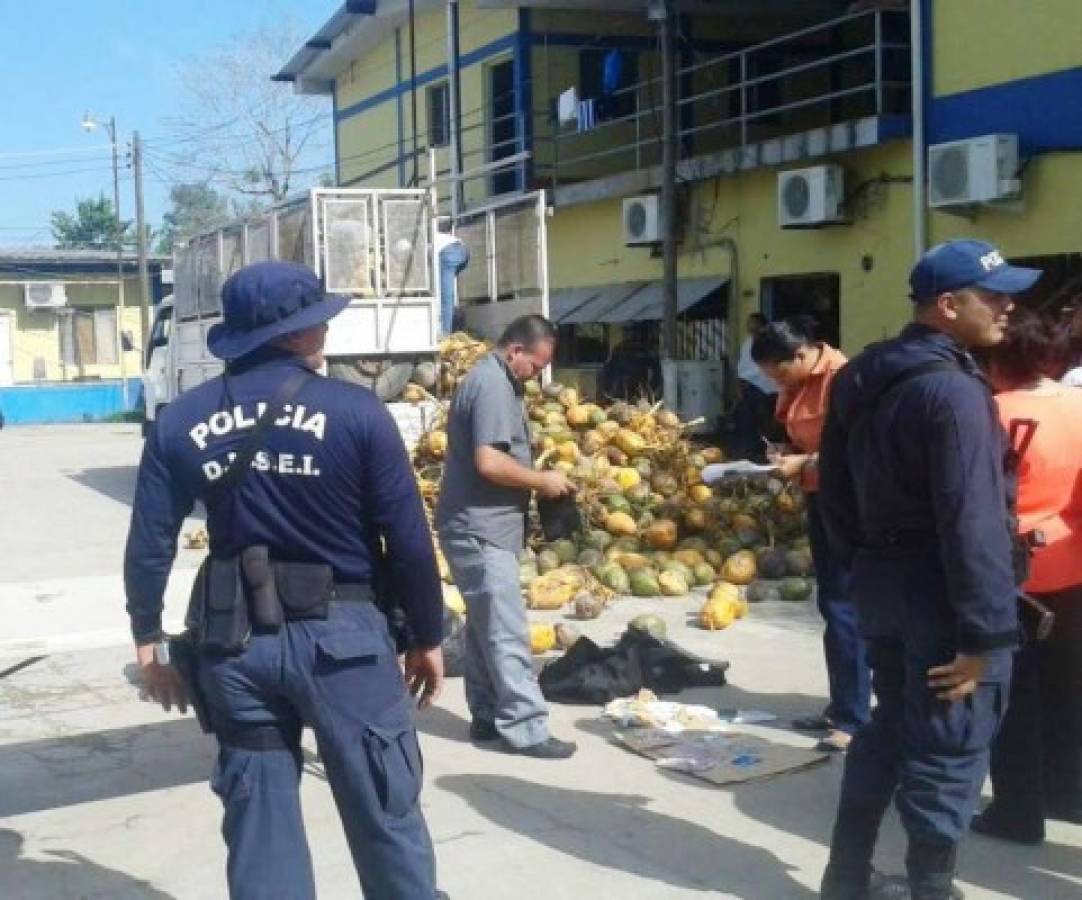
x=808 y=198
x=977 y=170
x=45 y=295
x=642 y=220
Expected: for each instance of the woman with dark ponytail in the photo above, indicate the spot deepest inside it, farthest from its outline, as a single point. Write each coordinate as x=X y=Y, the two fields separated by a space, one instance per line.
x=789 y=352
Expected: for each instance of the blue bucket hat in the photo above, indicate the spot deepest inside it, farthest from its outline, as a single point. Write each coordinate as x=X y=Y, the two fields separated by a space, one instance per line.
x=267 y=300
x=960 y=264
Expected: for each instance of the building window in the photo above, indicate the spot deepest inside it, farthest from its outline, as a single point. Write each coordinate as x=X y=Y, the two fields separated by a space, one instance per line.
x=439 y=115
x=604 y=76
x=88 y=337
x=582 y=345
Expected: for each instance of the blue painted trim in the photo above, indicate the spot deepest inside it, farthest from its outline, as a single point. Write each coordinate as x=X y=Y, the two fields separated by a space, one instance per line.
x=895 y=127
x=1045 y=111
x=523 y=95
x=36 y=404
x=621 y=42
x=399 y=110
x=334 y=131
x=480 y=54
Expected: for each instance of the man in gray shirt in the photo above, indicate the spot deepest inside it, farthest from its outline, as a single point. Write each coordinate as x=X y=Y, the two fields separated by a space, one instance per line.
x=481 y=519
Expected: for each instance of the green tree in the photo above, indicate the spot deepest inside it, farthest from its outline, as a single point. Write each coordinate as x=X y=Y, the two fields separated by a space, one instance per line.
x=196 y=207
x=94 y=225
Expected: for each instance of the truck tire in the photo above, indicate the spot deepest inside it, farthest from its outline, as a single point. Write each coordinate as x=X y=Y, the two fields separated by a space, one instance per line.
x=386 y=379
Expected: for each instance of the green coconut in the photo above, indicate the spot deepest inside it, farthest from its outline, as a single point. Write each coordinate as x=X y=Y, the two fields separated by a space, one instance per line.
x=795 y=590
x=644 y=583
x=650 y=624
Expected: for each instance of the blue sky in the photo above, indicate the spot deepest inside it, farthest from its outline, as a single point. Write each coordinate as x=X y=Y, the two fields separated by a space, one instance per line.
x=60 y=58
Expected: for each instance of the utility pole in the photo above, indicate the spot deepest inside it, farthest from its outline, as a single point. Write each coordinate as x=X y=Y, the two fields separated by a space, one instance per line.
x=664 y=13
x=119 y=264
x=89 y=123
x=141 y=237
x=454 y=103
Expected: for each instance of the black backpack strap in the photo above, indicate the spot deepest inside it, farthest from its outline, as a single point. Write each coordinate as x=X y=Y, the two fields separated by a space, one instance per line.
x=238 y=469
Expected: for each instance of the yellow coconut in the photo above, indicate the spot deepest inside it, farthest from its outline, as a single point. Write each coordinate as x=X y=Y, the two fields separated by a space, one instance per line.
x=725 y=590
x=435 y=443
x=717 y=614
x=628 y=478
x=542 y=638
x=568 y=451
x=578 y=416
x=621 y=525
x=739 y=568
x=568 y=397
x=629 y=442
x=414 y=393
x=696 y=519
x=661 y=535
x=700 y=493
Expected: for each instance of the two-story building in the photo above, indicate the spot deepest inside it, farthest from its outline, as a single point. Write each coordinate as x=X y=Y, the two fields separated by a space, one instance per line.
x=796 y=139
x=70 y=333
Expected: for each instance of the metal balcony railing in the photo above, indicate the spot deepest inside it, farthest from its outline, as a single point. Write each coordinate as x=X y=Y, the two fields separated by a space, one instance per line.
x=844 y=69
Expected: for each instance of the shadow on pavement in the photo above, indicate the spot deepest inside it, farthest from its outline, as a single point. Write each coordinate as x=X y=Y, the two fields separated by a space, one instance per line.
x=618 y=831
x=442 y=723
x=65 y=874
x=58 y=772
x=117 y=483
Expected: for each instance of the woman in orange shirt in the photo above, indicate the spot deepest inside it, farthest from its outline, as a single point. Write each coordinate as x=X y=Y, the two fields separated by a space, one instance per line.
x=804 y=368
x=1037 y=758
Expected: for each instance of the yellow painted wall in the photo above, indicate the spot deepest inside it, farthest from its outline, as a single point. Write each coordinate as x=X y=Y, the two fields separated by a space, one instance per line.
x=983 y=43
x=369 y=140
x=585 y=244
x=36 y=334
x=1049 y=220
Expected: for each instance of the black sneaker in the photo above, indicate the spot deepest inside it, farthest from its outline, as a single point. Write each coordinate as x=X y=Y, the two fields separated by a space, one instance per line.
x=483 y=730
x=550 y=748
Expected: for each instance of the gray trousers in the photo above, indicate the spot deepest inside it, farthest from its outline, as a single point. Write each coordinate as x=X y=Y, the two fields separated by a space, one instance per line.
x=500 y=683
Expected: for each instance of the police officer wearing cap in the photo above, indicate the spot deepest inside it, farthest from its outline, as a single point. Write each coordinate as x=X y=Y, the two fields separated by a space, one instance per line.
x=913 y=494
x=325 y=510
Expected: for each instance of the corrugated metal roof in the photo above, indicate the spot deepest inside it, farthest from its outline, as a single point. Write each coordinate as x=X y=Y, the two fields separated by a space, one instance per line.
x=628 y=301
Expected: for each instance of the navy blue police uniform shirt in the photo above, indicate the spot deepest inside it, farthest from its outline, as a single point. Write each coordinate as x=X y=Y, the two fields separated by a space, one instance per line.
x=331 y=484
x=920 y=464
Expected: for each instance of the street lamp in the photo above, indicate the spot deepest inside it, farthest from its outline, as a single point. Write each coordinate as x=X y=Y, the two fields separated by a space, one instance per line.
x=89 y=123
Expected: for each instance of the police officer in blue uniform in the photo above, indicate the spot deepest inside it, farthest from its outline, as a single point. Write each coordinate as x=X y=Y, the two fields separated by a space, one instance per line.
x=913 y=495
x=326 y=510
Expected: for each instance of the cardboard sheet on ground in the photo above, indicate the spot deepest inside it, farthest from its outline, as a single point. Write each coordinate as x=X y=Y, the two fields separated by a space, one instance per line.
x=719 y=757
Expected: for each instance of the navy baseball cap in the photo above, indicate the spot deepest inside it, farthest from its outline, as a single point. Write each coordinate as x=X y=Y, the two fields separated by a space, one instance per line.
x=268 y=300
x=954 y=265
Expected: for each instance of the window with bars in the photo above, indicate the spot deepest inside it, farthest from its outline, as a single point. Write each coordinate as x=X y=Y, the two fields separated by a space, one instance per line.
x=439 y=115
x=89 y=337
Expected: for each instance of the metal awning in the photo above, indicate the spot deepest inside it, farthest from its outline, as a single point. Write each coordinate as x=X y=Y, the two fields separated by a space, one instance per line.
x=628 y=301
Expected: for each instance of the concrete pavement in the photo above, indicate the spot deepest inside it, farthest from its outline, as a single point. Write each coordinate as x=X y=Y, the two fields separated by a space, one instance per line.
x=102 y=795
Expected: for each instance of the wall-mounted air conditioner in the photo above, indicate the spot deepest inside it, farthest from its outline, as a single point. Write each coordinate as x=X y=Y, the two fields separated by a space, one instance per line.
x=977 y=170
x=642 y=220
x=809 y=198
x=45 y=295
